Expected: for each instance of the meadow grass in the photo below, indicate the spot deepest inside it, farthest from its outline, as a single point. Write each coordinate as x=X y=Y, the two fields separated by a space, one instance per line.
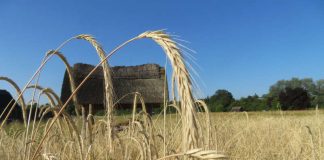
x=187 y=134
x=38 y=139
x=253 y=135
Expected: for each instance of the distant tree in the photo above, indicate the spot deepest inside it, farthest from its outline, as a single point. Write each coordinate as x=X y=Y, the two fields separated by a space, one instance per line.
x=315 y=89
x=271 y=103
x=252 y=103
x=277 y=88
x=320 y=85
x=309 y=85
x=306 y=83
x=294 y=98
x=319 y=94
x=220 y=101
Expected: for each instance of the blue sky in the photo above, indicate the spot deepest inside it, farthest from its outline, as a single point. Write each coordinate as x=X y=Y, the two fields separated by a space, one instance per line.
x=242 y=46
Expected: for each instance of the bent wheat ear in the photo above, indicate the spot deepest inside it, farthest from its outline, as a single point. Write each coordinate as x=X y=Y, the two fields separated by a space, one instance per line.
x=184 y=87
x=21 y=99
x=184 y=84
x=108 y=84
x=204 y=154
x=198 y=153
x=207 y=120
x=70 y=75
x=190 y=129
x=52 y=96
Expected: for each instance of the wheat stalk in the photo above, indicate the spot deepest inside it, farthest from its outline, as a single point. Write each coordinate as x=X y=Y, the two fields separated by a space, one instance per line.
x=51 y=95
x=182 y=77
x=184 y=87
x=108 y=84
x=21 y=99
x=108 y=96
x=32 y=78
x=208 y=125
x=197 y=153
x=70 y=75
x=315 y=156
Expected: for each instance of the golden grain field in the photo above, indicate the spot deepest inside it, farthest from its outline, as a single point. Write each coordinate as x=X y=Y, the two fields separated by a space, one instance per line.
x=191 y=133
x=254 y=135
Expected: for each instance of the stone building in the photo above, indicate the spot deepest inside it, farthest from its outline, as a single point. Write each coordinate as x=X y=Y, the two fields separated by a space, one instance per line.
x=147 y=79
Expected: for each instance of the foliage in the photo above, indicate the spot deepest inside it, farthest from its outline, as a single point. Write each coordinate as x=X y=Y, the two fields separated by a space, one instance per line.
x=220 y=101
x=315 y=89
x=305 y=83
x=272 y=103
x=294 y=98
x=308 y=93
x=251 y=103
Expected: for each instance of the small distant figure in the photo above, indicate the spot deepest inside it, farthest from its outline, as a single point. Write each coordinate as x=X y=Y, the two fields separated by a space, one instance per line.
x=237 y=109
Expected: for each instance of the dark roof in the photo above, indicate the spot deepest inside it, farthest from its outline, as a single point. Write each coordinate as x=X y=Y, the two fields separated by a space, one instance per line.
x=4 y=92
x=147 y=79
x=237 y=108
x=5 y=98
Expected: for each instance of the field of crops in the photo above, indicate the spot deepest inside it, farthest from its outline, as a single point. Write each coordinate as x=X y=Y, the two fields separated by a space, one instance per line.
x=241 y=135
x=190 y=133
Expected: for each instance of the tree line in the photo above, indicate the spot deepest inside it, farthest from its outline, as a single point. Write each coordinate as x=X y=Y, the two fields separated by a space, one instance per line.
x=293 y=94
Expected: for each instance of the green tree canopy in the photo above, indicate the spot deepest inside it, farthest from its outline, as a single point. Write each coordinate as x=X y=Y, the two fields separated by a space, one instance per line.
x=294 y=98
x=220 y=101
x=252 y=103
x=306 y=83
x=315 y=89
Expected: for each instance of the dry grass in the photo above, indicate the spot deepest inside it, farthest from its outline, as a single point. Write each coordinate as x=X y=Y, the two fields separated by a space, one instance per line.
x=63 y=129
x=269 y=135
x=186 y=135
x=264 y=135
